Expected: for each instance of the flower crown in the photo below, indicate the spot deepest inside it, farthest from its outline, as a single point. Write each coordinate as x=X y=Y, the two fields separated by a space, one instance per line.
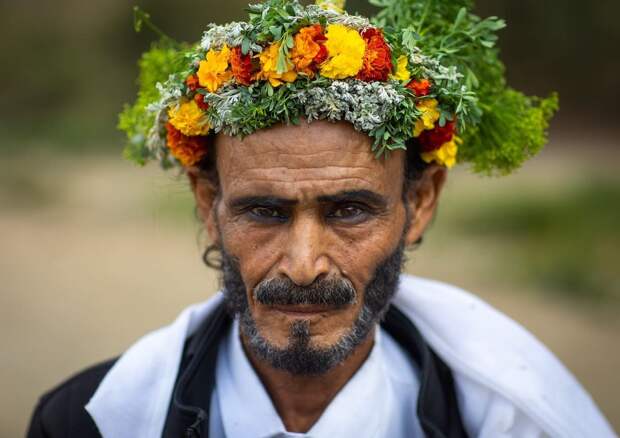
x=421 y=73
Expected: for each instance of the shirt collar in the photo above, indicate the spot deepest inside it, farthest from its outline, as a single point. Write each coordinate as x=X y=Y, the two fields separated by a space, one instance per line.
x=357 y=410
x=238 y=389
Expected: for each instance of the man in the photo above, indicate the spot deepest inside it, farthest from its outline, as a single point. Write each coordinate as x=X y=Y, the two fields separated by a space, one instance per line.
x=315 y=332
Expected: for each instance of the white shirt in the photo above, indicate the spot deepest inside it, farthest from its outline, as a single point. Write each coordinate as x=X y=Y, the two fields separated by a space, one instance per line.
x=376 y=402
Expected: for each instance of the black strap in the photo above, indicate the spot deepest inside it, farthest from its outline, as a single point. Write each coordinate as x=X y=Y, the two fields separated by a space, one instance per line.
x=437 y=410
x=191 y=398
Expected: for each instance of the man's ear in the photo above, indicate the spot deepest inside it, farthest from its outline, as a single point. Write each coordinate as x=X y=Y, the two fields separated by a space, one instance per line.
x=423 y=197
x=205 y=192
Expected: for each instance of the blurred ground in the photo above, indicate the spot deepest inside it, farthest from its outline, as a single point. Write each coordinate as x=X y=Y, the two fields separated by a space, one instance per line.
x=95 y=253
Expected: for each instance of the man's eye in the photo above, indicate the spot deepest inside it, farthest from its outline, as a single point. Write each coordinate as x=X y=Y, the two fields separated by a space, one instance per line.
x=266 y=213
x=348 y=212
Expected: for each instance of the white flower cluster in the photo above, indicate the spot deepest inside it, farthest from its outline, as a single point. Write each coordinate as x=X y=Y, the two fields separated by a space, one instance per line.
x=170 y=91
x=432 y=68
x=221 y=106
x=315 y=13
x=230 y=34
x=156 y=140
x=366 y=105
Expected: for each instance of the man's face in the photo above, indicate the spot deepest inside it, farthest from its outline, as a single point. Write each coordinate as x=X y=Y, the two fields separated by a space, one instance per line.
x=302 y=206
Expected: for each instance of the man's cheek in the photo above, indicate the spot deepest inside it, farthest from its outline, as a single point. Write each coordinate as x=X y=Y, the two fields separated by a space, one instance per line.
x=359 y=262
x=254 y=260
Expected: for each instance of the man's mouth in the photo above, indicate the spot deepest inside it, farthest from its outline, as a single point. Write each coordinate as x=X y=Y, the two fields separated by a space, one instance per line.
x=305 y=309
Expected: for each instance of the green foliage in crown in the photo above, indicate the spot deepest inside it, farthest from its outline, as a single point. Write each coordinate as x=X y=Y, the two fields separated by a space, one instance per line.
x=421 y=73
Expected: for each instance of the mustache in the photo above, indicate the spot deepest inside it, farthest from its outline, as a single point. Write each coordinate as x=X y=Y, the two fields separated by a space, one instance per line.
x=325 y=292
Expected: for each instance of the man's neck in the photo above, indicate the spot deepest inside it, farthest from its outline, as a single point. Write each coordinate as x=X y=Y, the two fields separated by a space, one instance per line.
x=300 y=400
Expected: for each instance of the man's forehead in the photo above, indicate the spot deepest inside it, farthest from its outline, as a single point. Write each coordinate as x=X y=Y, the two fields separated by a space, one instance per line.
x=297 y=146
x=308 y=160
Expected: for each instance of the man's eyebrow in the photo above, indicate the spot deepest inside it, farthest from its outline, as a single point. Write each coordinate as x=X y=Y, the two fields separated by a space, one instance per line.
x=366 y=196
x=265 y=201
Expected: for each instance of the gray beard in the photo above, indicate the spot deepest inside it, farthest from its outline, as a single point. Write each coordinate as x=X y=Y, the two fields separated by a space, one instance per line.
x=299 y=357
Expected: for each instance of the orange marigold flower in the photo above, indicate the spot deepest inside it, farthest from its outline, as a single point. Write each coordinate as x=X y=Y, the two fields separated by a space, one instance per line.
x=241 y=66
x=192 y=82
x=377 y=64
x=188 y=150
x=420 y=87
x=309 y=50
x=200 y=101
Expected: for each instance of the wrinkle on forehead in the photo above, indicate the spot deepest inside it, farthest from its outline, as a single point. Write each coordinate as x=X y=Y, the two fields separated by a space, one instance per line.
x=319 y=153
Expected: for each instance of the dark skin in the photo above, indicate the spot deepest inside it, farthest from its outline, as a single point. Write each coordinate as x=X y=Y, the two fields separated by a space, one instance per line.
x=307 y=202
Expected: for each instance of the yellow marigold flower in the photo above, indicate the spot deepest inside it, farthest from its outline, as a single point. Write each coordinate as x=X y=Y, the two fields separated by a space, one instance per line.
x=269 y=70
x=189 y=119
x=429 y=116
x=445 y=155
x=402 y=73
x=346 y=50
x=214 y=71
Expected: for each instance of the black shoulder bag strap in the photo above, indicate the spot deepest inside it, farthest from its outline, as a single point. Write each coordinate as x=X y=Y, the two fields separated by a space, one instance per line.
x=438 y=409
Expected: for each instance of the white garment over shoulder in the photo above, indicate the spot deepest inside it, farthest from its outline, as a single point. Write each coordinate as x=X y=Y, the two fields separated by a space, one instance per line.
x=508 y=384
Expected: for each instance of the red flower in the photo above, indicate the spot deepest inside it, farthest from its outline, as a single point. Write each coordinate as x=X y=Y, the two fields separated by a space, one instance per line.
x=241 y=66
x=188 y=150
x=377 y=64
x=320 y=38
x=436 y=137
x=192 y=82
x=200 y=101
x=420 y=87
x=322 y=55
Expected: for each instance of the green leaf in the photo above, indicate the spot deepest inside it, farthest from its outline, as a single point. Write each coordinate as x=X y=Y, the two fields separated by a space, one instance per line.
x=245 y=45
x=142 y=18
x=138 y=18
x=459 y=18
x=276 y=31
x=282 y=64
x=156 y=65
x=289 y=41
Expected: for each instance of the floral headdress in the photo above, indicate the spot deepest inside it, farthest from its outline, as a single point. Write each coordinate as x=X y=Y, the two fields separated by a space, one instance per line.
x=421 y=73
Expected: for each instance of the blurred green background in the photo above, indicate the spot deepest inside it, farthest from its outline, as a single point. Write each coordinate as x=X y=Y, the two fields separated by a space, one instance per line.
x=95 y=252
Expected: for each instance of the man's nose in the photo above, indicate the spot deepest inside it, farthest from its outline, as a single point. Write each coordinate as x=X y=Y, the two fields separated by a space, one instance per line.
x=304 y=259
